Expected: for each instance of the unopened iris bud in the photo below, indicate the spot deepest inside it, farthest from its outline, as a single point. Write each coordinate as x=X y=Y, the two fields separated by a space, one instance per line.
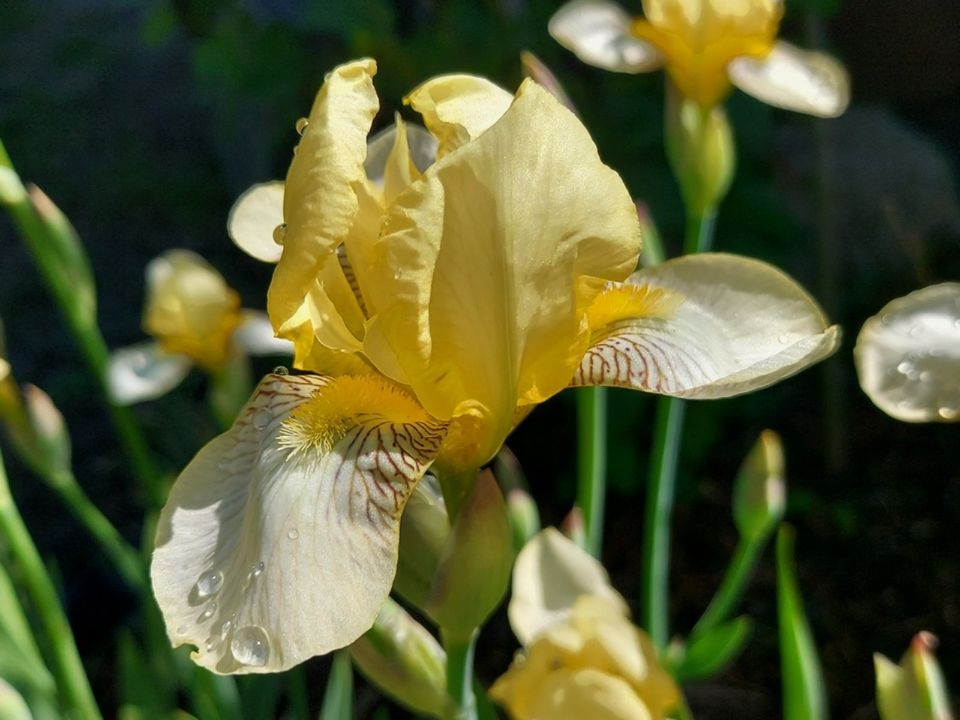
x=759 y=493
x=701 y=151
x=914 y=689
x=573 y=527
x=535 y=69
x=404 y=660
x=49 y=432
x=474 y=569
x=524 y=517
x=423 y=534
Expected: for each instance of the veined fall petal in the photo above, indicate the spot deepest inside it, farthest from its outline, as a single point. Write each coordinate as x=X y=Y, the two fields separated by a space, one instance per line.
x=704 y=326
x=908 y=356
x=279 y=540
x=481 y=282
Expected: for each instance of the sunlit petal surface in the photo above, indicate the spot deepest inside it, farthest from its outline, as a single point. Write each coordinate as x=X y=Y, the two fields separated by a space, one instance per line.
x=142 y=372
x=279 y=540
x=458 y=108
x=587 y=693
x=550 y=573
x=598 y=32
x=255 y=217
x=704 y=326
x=908 y=356
x=485 y=266
x=794 y=79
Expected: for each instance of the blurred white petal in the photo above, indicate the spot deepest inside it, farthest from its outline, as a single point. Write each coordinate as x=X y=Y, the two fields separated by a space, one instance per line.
x=598 y=32
x=551 y=572
x=422 y=145
x=794 y=79
x=144 y=372
x=908 y=356
x=254 y=217
x=279 y=540
x=255 y=336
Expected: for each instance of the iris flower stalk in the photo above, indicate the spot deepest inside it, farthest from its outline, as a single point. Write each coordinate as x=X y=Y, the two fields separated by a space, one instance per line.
x=431 y=307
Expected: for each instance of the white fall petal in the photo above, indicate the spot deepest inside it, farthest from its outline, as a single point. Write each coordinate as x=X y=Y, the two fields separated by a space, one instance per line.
x=144 y=372
x=268 y=553
x=254 y=217
x=739 y=325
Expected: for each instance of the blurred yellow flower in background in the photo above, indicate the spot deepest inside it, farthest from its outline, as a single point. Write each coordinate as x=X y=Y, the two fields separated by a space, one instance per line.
x=582 y=656
x=706 y=46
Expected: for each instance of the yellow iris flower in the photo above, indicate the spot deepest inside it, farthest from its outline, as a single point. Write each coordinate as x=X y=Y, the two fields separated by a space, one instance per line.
x=582 y=656
x=706 y=46
x=434 y=298
x=194 y=317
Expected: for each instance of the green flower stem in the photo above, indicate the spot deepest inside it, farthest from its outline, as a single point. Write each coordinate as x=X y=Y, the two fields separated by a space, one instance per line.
x=661 y=487
x=731 y=589
x=699 y=231
x=460 y=652
x=127 y=560
x=54 y=247
x=668 y=432
x=592 y=463
x=72 y=684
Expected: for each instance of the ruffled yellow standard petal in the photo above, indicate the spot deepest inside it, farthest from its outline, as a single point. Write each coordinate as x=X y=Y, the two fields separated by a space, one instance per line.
x=485 y=266
x=550 y=573
x=704 y=326
x=699 y=38
x=310 y=299
x=596 y=661
x=908 y=356
x=794 y=79
x=279 y=540
x=598 y=32
x=190 y=309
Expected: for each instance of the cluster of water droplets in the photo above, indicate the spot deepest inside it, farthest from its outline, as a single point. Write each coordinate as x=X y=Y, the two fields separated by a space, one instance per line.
x=248 y=644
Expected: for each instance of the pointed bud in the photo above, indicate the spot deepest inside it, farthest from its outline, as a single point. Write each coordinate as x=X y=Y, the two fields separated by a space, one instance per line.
x=534 y=69
x=424 y=529
x=701 y=151
x=652 y=253
x=914 y=689
x=49 y=432
x=405 y=661
x=474 y=569
x=574 y=528
x=759 y=492
x=524 y=517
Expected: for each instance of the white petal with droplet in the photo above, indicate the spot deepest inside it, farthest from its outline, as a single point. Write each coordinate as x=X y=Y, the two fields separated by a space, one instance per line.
x=233 y=511
x=144 y=372
x=254 y=217
x=908 y=356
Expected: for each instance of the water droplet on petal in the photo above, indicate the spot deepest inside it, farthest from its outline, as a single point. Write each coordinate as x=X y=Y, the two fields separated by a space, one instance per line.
x=905 y=367
x=280 y=370
x=225 y=628
x=301 y=125
x=208 y=612
x=956 y=323
x=212 y=643
x=886 y=319
x=182 y=630
x=926 y=376
x=915 y=331
x=208 y=584
x=280 y=233
x=250 y=646
x=783 y=339
x=262 y=418
x=948 y=413
x=293 y=533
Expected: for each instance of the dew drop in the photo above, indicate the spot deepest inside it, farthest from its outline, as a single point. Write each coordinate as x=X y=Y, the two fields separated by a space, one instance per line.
x=280 y=233
x=280 y=370
x=250 y=646
x=956 y=323
x=301 y=125
x=293 y=533
x=396 y=274
x=256 y=569
x=225 y=628
x=948 y=413
x=905 y=367
x=212 y=643
x=208 y=612
x=262 y=418
x=887 y=319
x=208 y=584
x=926 y=376
x=915 y=331
x=783 y=339
x=182 y=630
